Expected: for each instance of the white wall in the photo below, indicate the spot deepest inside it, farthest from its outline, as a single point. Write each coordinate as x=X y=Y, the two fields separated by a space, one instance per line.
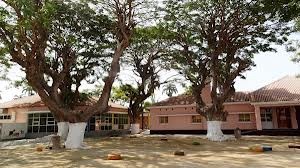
x=13 y=130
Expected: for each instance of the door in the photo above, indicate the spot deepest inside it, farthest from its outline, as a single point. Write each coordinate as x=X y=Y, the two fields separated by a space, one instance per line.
x=266 y=118
x=284 y=118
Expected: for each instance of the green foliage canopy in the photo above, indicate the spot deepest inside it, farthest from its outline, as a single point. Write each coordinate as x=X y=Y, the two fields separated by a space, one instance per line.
x=214 y=42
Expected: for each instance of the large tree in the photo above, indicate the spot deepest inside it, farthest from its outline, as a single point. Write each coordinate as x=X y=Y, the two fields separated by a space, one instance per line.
x=214 y=42
x=145 y=59
x=59 y=44
x=27 y=90
x=294 y=45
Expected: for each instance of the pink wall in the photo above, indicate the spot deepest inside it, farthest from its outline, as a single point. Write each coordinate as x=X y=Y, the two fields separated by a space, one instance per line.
x=176 y=115
x=20 y=113
x=180 y=118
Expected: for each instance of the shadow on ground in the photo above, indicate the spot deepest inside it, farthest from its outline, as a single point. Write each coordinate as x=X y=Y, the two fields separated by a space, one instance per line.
x=150 y=152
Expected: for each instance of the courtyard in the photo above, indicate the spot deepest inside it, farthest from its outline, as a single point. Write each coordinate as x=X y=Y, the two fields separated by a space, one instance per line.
x=151 y=152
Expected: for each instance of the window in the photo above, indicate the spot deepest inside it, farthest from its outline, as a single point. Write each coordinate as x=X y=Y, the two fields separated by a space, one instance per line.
x=5 y=117
x=266 y=115
x=91 y=124
x=163 y=120
x=41 y=122
x=244 y=117
x=196 y=119
x=123 y=120
x=106 y=121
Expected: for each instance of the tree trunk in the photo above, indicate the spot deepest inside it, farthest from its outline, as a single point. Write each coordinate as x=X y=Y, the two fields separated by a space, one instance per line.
x=135 y=128
x=63 y=130
x=75 y=135
x=56 y=143
x=214 y=132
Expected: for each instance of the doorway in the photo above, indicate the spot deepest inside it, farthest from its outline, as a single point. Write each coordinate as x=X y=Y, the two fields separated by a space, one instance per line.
x=284 y=117
x=266 y=118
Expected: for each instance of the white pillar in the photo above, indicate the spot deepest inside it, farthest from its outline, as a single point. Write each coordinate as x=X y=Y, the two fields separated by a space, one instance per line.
x=293 y=117
x=258 y=118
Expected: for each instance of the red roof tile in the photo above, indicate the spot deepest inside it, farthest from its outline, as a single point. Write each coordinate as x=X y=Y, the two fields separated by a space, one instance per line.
x=35 y=101
x=284 y=89
x=240 y=97
x=189 y=99
x=183 y=99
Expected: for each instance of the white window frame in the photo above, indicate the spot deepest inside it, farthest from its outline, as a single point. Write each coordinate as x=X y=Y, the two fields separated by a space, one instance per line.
x=36 y=122
x=5 y=117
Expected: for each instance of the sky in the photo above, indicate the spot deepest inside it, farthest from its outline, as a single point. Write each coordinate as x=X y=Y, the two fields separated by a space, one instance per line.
x=269 y=67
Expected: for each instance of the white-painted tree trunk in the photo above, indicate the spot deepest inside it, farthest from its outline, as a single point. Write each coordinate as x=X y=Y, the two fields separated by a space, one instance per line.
x=63 y=130
x=75 y=136
x=135 y=128
x=214 y=132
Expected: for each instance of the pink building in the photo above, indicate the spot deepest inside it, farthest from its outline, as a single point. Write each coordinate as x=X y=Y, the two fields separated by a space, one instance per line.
x=272 y=107
x=30 y=117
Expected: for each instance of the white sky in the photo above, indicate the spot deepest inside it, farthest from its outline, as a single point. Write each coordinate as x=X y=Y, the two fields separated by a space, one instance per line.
x=270 y=66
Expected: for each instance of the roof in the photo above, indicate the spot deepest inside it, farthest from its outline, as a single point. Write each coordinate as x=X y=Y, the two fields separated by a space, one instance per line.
x=35 y=100
x=284 y=89
x=240 y=97
x=21 y=102
x=183 y=99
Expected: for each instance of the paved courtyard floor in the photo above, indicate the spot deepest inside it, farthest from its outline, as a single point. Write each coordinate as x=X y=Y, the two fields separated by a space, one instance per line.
x=151 y=152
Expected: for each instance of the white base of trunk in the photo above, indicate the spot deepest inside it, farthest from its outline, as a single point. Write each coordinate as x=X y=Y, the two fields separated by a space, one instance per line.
x=135 y=128
x=75 y=136
x=214 y=132
x=63 y=129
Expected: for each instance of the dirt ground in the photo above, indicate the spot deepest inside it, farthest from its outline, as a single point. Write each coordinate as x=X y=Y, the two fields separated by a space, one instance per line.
x=151 y=152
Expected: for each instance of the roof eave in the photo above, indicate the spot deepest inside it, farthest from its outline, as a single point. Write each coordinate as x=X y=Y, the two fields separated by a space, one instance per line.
x=276 y=103
x=172 y=106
